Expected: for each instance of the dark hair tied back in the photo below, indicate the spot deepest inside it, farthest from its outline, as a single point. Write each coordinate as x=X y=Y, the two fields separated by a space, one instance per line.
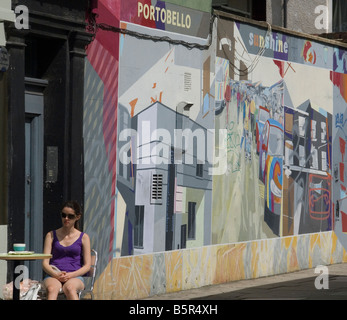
x=74 y=205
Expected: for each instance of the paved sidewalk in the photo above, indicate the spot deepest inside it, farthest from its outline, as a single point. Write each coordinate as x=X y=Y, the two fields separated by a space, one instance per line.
x=298 y=285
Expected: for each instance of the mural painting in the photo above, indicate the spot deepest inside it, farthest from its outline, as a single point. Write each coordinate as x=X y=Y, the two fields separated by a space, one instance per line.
x=282 y=185
x=338 y=79
x=165 y=109
x=201 y=134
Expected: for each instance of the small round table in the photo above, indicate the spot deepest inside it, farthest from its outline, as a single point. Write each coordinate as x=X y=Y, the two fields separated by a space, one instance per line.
x=18 y=259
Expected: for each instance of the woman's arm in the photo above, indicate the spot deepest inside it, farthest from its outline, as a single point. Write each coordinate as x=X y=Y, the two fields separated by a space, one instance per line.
x=47 y=249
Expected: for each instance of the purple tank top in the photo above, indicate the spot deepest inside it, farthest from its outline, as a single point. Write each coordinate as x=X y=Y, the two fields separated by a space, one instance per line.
x=68 y=258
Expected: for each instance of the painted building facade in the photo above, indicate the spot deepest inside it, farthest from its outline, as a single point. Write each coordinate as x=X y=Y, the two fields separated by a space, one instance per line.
x=214 y=148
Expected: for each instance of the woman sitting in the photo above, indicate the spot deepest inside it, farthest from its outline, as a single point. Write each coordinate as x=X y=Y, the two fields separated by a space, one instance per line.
x=71 y=257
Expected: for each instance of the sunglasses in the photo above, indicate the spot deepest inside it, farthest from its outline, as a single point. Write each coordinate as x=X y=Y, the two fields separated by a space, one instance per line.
x=68 y=215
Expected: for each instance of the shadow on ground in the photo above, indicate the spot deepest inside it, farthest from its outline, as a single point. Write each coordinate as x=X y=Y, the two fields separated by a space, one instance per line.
x=301 y=289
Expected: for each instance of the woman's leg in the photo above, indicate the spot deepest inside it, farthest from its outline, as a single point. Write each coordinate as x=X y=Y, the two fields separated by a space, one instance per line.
x=71 y=287
x=53 y=287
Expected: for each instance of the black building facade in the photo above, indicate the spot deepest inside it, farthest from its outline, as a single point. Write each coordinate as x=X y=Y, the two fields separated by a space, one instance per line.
x=45 y=81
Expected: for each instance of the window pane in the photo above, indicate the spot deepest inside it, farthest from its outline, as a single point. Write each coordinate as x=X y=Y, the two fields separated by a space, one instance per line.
x=191 y=220
x=339 y=15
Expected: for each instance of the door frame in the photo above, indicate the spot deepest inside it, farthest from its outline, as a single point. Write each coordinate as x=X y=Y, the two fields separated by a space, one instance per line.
x=34 y=116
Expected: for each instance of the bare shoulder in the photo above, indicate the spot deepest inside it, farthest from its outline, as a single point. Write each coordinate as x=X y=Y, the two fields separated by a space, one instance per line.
x=49 y=235
x=48 y=242
x=85 y=237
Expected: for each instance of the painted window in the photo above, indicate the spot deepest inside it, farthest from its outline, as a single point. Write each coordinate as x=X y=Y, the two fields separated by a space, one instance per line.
x=339 y=19
x=199 y=169
x=191 y=220
x=139 y=226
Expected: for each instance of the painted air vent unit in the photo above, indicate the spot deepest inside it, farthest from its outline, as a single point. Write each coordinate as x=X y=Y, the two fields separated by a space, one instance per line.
x=187 y=81
x=157 y=189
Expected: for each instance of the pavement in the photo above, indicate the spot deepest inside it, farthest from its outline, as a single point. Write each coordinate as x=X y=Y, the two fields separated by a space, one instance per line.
x=329 y=283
